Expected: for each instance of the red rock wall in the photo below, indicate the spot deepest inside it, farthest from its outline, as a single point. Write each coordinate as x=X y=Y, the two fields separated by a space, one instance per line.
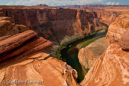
x=54 y=23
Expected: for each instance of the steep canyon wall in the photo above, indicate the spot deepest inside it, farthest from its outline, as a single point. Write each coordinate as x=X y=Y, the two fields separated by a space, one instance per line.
x=111 y=68
x=55 y=24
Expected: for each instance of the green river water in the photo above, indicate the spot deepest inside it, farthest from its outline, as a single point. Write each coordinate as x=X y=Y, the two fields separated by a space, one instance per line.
x=69 y=54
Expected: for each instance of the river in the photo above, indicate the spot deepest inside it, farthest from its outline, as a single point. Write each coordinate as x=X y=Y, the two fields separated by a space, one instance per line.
x=69 y=54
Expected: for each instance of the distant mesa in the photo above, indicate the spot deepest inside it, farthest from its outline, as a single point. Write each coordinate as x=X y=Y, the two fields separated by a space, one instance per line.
x=42 y=5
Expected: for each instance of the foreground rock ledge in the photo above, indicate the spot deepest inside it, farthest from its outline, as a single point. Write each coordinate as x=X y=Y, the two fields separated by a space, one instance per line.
x=111 y=69
x=39 y=67
x=22 y=59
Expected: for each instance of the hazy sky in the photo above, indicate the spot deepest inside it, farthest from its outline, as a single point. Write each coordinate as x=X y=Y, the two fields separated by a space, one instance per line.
x=63 y=2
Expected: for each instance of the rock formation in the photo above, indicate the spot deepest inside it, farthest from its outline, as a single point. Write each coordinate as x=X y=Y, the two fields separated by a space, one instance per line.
x=108 y=15
x=22 y=59
x=9 y=28
x=48 y=21
x=54 y=24
x=117 y=28
x=112 y=67
x=105 y=13
x=88 y=55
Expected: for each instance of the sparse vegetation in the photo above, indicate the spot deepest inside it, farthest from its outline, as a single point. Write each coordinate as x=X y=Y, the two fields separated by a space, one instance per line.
x=57 y=55
x=90 y=41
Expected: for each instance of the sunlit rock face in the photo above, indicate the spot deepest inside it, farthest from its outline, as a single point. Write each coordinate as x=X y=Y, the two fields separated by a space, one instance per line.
x=111 y=69
x=22 y=59
x=88 y=55
x=117 y=28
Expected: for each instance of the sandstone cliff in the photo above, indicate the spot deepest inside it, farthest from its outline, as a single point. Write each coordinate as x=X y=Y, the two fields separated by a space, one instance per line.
x=55 y=24
x=105 y=13
x=108 y=14
x=112 y=67
x=22 y=59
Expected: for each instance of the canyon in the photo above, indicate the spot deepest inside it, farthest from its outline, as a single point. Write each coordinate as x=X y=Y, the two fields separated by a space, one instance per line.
x=30 y=35
x=111 y=67
x=59 y=25
x=105 y=13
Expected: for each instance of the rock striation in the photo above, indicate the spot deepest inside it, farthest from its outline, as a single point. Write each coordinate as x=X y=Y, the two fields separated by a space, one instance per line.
x=105 y=13
x=23 y=62
x=117 y=28
x=22 y=44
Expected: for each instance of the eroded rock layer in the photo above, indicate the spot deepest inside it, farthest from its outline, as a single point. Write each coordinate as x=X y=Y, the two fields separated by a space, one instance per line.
x=23 y=62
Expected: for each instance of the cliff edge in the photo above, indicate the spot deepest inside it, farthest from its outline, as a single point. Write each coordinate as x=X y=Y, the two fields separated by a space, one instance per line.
x=112 y=67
